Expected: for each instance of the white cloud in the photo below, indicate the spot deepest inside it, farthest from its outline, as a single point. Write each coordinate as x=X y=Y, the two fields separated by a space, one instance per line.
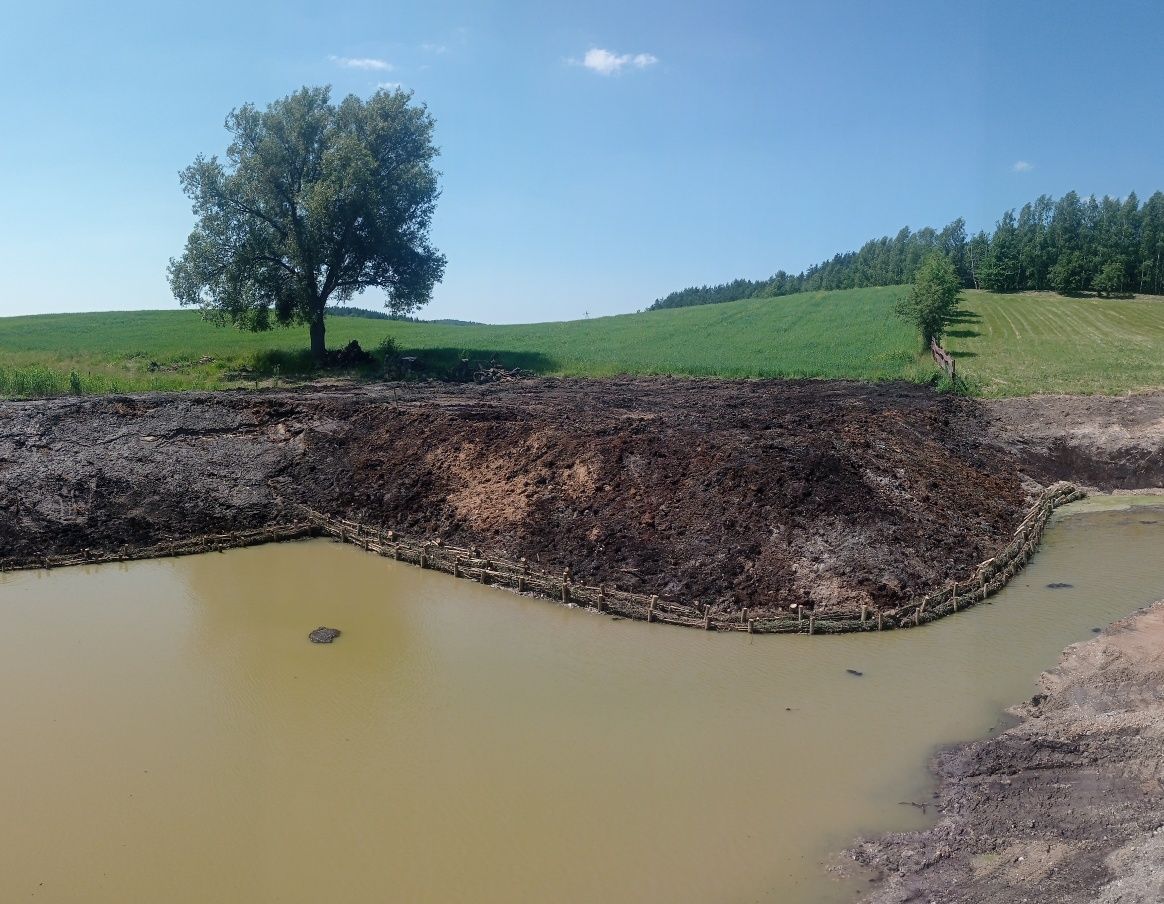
x=434 y=48
x=370 y=63
x=1021 y=166
x=606 y=63
x=389 y=86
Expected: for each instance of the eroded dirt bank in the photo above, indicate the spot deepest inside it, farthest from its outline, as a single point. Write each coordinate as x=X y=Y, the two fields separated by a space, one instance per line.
x=737 y=493
x=1108 y=442
x=1065 y=807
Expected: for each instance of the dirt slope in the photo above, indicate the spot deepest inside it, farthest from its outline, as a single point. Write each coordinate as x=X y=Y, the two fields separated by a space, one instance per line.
x=1109 y=442
x=736 y=493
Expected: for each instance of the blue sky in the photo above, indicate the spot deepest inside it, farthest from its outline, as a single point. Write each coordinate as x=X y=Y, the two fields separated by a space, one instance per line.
x=595 y=155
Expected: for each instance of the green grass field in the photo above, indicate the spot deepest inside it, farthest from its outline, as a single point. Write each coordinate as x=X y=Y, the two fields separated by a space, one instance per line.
x=835 y=334
x=1005 y=345
x=1010 y=345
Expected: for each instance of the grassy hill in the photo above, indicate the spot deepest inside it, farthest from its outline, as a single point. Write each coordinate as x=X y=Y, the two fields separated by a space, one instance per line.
x=1012 y=345
x=1005 y=344
x=825 y=334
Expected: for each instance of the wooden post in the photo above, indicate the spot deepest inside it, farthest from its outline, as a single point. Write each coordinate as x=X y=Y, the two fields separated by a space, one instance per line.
x=423 y=557
x=751 y=625
x=878 y=619
x=812 y=621
x=457 y=567
x=864 y=612
x=524 y=572
x=954 y=595
x=799 y=614
x=743 y=615
x=601 y=599
x=566 y=586
x=396 y=551
x=707 y=616
x=651 y=609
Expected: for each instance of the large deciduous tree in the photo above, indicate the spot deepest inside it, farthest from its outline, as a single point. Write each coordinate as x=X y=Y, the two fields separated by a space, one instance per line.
x=933 y=298
x=315 y=202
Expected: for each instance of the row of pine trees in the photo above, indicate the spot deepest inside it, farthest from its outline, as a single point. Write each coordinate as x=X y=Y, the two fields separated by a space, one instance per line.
x=1069 y=245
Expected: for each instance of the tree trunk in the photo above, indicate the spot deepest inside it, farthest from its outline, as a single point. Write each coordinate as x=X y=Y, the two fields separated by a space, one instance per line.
x=318 y=349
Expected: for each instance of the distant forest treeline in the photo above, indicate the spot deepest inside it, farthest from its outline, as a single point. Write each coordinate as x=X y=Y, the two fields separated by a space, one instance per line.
x=1069 y=245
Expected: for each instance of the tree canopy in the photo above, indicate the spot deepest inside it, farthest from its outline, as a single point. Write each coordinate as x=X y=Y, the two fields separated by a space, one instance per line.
x=934 y=296
x=315 y=202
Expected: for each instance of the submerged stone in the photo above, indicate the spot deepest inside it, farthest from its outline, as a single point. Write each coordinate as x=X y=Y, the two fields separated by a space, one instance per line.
x=1058 y=585
x=854 y=672
x=323 y=635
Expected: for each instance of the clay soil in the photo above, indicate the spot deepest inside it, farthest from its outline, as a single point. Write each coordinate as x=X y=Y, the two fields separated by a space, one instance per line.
x=759 y=494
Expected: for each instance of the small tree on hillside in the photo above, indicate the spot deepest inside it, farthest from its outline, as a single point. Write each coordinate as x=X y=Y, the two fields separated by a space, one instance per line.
x=316 y=202
x=1110 y=279
x=933 y=298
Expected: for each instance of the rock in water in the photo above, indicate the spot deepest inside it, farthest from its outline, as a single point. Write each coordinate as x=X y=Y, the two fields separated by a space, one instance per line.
x=324 y=635
x=1059 y=585
x=854 y=672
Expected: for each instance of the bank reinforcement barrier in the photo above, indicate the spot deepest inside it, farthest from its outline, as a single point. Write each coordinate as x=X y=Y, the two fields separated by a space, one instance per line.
x=187 y=546
x=471 y=563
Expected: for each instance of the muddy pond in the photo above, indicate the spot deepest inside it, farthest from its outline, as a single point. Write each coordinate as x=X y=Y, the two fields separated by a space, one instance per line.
x=169 y=733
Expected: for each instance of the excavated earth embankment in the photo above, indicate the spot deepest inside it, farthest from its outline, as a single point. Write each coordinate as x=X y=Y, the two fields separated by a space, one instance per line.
x=759 y=494
x=1108 y=442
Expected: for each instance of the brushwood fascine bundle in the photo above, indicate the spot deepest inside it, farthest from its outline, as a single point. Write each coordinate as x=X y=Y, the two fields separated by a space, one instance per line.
x=472 y=563
x=475 y=564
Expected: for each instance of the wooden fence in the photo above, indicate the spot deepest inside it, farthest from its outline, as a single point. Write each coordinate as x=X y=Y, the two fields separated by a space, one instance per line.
x=943 y=359
x=473 y=564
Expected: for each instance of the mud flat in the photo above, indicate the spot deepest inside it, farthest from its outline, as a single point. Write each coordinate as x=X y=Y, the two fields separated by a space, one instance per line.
x=1067 y=805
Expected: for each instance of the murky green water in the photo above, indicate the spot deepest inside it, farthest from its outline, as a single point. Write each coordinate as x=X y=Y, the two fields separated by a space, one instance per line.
x=170 y=735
